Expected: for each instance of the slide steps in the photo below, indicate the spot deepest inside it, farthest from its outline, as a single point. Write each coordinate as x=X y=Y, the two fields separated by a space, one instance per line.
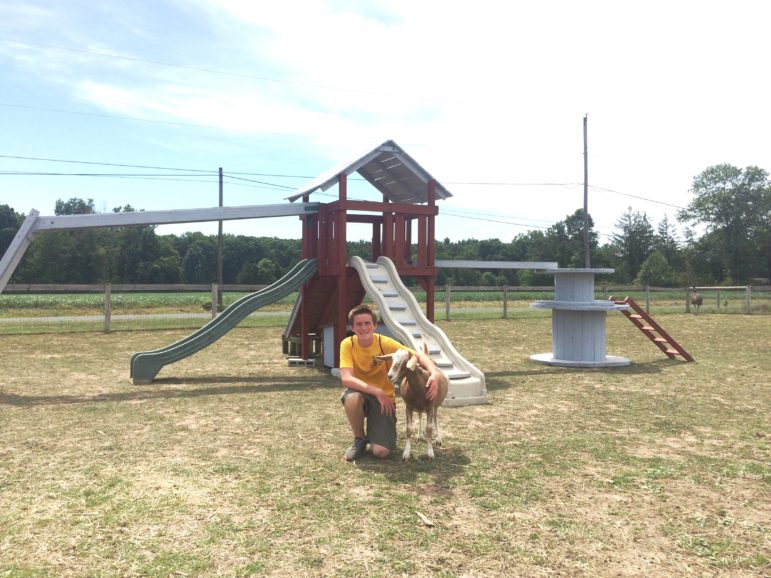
x=403 y=317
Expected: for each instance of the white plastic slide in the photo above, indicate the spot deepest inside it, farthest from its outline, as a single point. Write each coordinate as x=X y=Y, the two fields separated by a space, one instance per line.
x=401 y=313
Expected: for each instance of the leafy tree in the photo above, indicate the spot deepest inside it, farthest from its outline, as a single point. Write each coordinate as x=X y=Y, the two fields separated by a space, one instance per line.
x=633 y=243
x=266 y=271
x=655 y=270
x=735 y=207
x=74 y=207
x=66 y=256
x=248 y=275
x=488 y=279
x=10 y=221
x=199 y=263
x=564 y=241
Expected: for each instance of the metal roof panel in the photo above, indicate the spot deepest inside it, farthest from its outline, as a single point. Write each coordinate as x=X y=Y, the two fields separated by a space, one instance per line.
x=389 y=169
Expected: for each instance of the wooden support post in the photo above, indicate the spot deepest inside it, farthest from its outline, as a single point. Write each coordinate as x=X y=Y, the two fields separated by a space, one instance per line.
x=431 y=247
x=107 y=306
x=342 y=267
x=399 y=241
x=304 y=323
x=388 y=235
x=446 y=302
x=377 y=239
x=748 y=301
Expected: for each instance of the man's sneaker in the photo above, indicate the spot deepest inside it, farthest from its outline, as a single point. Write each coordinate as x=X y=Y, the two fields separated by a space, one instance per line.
x=356 y=450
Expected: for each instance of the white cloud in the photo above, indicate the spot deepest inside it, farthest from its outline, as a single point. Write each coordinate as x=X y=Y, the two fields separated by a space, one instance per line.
x=489 y=91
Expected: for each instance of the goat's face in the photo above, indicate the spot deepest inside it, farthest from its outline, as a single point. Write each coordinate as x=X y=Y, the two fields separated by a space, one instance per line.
x=402 y=361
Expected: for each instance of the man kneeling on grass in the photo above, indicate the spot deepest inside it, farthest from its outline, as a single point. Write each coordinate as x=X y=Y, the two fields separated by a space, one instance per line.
x=368 y=393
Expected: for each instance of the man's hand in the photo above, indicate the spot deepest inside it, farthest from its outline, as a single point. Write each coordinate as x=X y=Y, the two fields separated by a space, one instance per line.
x=431 y=387
x=387 y=406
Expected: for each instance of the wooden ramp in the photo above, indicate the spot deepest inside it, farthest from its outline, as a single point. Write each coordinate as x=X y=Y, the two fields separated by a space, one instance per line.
x=651 y=329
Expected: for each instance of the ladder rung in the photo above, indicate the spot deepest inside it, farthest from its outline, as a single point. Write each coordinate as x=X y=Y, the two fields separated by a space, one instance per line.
x=670 y=349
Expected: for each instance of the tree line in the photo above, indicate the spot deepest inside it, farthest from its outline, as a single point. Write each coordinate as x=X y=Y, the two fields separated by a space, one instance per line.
x=731 y=205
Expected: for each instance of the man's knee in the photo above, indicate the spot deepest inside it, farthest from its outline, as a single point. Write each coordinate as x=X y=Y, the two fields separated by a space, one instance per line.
x=353 y=399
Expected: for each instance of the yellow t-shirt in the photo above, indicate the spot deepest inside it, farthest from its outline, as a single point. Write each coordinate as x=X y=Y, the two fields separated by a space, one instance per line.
x=359 y=358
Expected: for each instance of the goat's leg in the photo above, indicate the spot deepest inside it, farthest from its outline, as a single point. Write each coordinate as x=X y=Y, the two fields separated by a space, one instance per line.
x=409 y=430
x=437 y=431
x=430 y=432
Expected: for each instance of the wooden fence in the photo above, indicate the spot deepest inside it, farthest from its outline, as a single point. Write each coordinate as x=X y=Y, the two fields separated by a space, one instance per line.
x=459 y=301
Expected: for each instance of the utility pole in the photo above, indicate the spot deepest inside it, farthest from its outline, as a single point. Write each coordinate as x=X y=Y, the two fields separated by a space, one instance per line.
x=219 y=252
x=587 y=261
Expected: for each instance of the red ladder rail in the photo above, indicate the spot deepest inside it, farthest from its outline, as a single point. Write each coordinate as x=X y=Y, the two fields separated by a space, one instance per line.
x=652 y=330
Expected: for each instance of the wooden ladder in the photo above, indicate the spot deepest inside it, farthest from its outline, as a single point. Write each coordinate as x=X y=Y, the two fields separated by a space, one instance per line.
x=651 y=329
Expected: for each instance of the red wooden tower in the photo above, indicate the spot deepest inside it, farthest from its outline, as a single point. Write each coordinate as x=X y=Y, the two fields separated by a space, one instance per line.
x=409 y=197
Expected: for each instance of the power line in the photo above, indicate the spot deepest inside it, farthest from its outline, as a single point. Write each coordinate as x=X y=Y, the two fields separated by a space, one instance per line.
x=236 y=176
x=636 y=197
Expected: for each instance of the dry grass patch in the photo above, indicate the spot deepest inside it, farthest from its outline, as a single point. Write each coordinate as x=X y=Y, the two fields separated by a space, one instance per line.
x=231 y=463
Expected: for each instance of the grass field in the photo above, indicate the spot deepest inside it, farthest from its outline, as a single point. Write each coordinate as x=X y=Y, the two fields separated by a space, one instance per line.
x=231 y=463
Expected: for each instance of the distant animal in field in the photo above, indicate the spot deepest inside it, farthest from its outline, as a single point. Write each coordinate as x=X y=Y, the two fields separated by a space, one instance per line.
x=696 y=300
x=407 y=373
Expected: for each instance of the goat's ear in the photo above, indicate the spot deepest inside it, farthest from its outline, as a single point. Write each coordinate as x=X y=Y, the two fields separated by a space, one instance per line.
x=412 y=363
x=377 y=359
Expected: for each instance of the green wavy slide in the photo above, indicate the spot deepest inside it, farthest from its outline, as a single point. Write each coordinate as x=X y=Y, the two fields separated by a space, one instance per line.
x=145 y=365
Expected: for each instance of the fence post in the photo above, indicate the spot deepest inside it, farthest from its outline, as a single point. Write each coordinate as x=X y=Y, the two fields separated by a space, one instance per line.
x=214 y=295
x=687 y=299
x=718 y=299
x=749 y=300
x=648 y=299
x=107 y=306
x=446 y=302
x=605 y=293
x=505 y=301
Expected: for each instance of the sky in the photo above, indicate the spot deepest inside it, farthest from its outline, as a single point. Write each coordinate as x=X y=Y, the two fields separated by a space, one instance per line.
x=142 y=102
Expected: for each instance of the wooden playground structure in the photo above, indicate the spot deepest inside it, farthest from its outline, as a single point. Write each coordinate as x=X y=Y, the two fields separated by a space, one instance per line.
x=409 y=196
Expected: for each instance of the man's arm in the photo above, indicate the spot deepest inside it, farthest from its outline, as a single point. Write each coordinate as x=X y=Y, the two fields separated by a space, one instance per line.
x=432 y=385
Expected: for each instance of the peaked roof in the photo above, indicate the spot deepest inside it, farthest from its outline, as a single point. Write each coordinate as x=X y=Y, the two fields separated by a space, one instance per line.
x=387 y=168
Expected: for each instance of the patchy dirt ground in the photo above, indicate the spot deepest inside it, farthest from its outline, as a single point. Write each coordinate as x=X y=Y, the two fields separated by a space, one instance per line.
x=231 y=462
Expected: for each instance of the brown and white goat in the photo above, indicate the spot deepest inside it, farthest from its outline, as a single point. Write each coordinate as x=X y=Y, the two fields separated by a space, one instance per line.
x=407 y=374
